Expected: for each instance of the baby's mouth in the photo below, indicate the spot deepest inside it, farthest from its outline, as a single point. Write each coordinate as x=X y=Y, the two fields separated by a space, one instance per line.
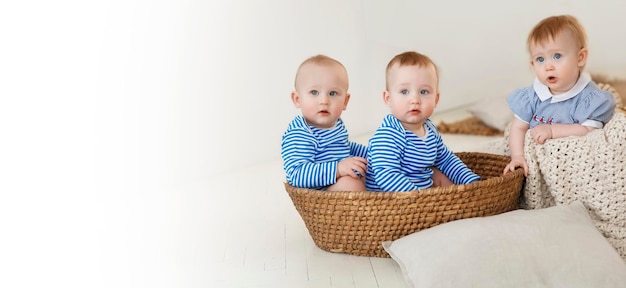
x=551 y=79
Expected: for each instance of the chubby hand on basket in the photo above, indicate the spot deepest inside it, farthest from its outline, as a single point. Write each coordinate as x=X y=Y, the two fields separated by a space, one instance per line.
x=354 y=167
x=516 y=161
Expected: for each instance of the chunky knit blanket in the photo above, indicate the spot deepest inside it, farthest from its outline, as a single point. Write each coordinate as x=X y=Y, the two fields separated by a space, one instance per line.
x=591 y=169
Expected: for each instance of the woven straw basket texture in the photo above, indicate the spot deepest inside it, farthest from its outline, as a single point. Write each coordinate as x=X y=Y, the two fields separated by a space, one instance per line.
x=358 y=222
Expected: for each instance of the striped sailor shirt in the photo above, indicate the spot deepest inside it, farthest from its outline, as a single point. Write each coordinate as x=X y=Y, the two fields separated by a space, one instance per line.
x=399 y=160
x=310 y=154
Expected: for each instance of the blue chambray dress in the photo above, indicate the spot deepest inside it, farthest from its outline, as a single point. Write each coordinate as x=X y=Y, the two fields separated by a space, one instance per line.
x=584 y=104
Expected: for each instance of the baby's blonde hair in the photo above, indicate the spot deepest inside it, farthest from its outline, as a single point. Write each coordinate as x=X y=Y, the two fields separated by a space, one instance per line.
x=550 y=27
x=410 y=58
x=318 y=60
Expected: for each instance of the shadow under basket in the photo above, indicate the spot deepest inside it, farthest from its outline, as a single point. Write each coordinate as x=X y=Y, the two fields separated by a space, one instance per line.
x=358 y=222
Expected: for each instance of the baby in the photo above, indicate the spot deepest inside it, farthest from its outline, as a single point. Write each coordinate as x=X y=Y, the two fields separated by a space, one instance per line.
x=563 y=101
x=316 y=151
x=407 y=152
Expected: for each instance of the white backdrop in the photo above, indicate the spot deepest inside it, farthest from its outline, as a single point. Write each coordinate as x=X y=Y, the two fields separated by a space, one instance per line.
x=108 y=103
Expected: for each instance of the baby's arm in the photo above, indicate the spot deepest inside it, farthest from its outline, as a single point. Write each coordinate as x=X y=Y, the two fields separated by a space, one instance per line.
x=564 y=130
x=298 y=153
x=357 y=149
x=452 y=167
x=517 y=133
x=543 y=132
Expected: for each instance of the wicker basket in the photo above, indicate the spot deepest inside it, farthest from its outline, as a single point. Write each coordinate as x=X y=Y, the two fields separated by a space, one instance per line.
x=358 y=222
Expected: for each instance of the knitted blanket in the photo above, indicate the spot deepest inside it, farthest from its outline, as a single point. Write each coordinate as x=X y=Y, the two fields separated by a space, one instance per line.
x=591 y=169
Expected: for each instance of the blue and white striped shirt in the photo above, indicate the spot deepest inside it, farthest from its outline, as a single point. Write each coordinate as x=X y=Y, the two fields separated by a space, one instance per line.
x=310 y=154
x=399 y=160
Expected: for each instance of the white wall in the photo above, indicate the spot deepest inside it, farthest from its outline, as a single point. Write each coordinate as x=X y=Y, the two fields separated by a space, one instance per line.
x=105 y=104
x=480 y=46
x=169 y=91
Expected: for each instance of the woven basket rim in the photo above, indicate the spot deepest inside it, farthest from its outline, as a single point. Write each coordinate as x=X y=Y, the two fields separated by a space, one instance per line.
x=454 y=189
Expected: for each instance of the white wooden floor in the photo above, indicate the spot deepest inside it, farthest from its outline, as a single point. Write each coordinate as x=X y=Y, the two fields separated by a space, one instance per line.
x=261 y=241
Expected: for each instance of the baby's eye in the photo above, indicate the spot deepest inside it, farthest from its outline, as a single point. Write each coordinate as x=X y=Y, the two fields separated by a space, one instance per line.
x=314 y=92
x=539 y=59
x=333 y=93
x=557 y=56
x=423 y=92
x=404 y=92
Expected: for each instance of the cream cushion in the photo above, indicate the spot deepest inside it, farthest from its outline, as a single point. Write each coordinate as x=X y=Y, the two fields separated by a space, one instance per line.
x=551 y=247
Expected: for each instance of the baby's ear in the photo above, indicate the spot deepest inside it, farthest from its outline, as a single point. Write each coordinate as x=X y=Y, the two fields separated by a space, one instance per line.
x=386 y=97
x=295 y=99
x=582 y=57
x=345 y=103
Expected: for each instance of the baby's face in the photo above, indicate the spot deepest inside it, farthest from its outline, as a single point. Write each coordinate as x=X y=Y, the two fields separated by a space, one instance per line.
x=321 y=93
x=557 y=62
x=412 y=94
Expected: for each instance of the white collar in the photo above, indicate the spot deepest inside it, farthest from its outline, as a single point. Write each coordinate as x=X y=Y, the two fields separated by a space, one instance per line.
x=544 y=92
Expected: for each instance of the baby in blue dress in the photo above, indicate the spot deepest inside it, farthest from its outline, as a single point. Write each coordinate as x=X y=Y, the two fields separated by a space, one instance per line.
x=563 y=101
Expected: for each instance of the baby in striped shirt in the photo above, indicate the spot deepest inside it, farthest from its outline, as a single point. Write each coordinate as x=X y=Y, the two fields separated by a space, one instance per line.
x=316 y=151
x=407 y=152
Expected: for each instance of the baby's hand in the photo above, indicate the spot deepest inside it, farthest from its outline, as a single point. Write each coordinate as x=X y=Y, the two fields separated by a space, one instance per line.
x=354 y=167
x=541 y=133
x=516 y=161
x=440 y=179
